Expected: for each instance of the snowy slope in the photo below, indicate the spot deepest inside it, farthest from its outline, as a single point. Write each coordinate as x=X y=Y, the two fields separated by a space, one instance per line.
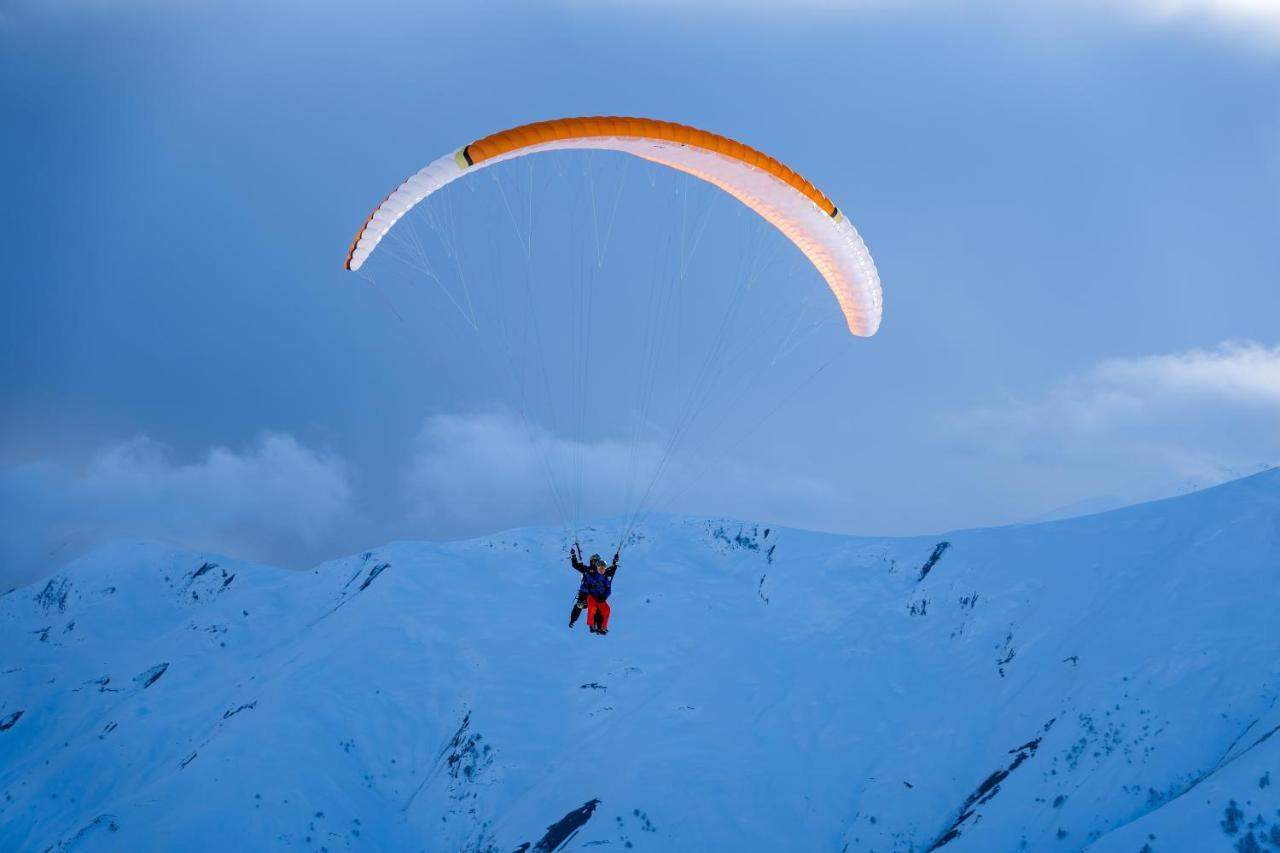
x=1106 y=682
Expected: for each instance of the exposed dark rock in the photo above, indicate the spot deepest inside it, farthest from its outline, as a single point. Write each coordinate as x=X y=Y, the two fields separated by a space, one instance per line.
x=231 y=712
x=985 y=792
x=373 y=573
x=1009 y=653
x=105 y=822
x=343 y=598
x=1249 y=844
x=151 y=676
x=364 y=561
x=1265 y=736
x=749 y=541
x=560 y=832
x=54 y=595
x=204 y=569
x=464 y=757
x=938 y=551
x=1232 y=816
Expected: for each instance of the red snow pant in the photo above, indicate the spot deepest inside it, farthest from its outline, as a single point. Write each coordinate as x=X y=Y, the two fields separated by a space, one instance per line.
x=593 y=605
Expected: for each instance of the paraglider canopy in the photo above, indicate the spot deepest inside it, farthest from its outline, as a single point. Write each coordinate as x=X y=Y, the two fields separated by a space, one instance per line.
x=671 y=352
x=807 y=217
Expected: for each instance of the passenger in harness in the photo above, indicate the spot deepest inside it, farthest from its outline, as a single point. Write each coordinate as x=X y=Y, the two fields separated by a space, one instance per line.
x=593 y=593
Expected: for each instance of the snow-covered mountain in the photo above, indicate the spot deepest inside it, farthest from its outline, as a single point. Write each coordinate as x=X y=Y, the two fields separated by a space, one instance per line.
x=1144 y=491
x=1107 y=683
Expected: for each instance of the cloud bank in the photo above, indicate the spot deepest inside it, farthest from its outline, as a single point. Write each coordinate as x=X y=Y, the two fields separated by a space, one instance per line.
x=1249 y=18
x=274 y=501
x=1125 y=429
x=1255 y=22
x=281 y=502
x=1198 y=416
x=475 y=473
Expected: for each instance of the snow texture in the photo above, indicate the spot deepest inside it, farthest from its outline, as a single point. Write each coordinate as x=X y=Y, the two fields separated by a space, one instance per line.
x=1107 y=683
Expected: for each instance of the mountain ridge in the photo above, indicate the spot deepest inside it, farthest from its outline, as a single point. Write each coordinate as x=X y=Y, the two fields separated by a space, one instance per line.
x=1062 y=685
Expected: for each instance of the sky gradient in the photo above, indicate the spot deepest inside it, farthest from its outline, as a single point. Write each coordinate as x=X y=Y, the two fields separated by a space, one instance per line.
x=1074 y=211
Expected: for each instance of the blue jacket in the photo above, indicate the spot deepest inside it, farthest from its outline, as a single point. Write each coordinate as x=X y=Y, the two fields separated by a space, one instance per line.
x=594 y=583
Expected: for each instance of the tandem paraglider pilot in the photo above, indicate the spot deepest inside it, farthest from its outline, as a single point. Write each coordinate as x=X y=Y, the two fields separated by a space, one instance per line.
x=593 y=593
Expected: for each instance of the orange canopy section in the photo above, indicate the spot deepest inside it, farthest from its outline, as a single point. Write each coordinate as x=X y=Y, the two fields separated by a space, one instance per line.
x=556 y=130
x=777 y=193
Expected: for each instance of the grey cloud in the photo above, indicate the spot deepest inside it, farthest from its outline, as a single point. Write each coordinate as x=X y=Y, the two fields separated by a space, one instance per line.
x=476 y=473
x=273 y=501
x=1194 y=417
x=480 y=472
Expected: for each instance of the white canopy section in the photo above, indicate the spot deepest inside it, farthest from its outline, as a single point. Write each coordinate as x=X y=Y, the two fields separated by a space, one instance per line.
x=827 y=238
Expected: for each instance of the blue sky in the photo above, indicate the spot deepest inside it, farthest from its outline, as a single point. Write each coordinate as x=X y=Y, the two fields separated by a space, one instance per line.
x=1074 y=209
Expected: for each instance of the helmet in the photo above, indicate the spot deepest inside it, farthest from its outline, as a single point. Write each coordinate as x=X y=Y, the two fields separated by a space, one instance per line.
x=595 y=558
